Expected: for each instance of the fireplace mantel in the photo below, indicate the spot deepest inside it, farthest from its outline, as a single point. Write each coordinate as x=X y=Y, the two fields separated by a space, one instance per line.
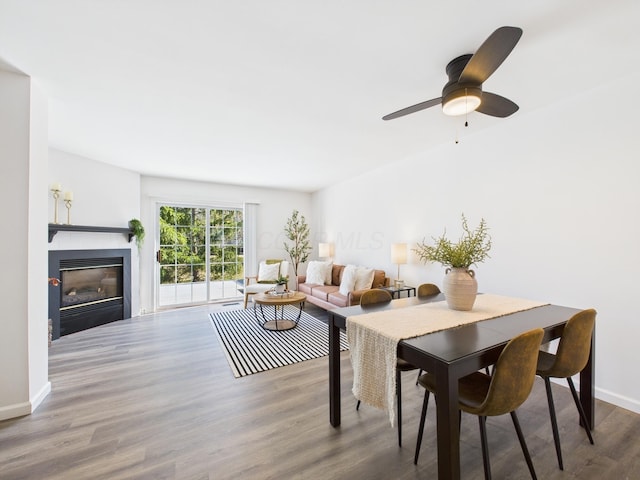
x=58 y=227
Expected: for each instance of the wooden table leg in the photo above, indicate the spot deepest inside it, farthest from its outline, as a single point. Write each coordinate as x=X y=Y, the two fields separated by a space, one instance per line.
x=334 y=372
x=447 y=419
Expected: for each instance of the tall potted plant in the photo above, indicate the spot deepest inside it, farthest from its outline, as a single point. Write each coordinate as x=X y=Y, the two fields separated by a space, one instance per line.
x=297 y=231
x=460 y=286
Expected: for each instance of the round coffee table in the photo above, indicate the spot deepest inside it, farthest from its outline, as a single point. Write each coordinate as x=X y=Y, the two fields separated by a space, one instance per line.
x=277 y=322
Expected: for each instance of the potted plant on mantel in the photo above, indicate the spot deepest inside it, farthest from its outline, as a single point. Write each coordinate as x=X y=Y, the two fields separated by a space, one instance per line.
x=138 y=231
x=460 y=286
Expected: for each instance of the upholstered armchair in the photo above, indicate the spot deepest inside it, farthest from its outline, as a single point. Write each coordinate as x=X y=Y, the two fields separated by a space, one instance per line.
x=268 y=273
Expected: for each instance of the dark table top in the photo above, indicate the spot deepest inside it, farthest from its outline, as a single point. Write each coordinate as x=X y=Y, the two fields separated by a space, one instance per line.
x=455 y=343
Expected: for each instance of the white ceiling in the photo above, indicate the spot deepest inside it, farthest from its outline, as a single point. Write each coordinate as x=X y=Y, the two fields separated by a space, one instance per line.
x=290 y=93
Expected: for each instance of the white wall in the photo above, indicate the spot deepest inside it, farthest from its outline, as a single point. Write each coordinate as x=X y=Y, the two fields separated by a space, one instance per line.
x=39 y=385
x=23 y=286
x=275 y=206
x=104 y=196
x=559 y=189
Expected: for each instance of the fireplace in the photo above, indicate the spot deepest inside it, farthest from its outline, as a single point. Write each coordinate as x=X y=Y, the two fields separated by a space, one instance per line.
x=95 y=288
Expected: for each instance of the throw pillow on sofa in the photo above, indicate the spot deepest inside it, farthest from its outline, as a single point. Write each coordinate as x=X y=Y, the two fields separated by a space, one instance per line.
x=317 y=272
x=328 y=272
x=348 y=282
x=364 y=278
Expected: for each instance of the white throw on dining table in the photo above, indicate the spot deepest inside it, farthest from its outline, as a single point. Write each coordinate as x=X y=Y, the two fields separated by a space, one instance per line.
x=373 y=340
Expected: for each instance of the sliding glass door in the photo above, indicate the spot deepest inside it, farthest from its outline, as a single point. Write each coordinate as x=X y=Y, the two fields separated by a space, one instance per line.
x=201 y=254
x=226 y=253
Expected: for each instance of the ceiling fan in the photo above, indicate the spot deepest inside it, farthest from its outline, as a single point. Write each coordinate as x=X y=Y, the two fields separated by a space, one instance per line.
x=463 y=92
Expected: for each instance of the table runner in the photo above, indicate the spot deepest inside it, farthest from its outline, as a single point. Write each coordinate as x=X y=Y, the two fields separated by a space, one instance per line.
x=373 y=339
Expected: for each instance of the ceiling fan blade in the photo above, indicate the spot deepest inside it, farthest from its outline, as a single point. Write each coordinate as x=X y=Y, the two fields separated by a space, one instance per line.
x=414 y=108
x=496 y=106
x=490 y=55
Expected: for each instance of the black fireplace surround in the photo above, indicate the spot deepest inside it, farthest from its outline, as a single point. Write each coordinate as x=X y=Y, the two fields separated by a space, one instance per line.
x=94 y=289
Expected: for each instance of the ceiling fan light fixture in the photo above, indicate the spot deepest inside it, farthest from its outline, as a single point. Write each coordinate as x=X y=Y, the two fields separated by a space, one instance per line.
x=467 y=73
x=461 y=101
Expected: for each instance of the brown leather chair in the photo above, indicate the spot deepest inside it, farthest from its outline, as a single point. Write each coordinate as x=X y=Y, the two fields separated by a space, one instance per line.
x=371 y=297
x=570 y=358
x=503 y=392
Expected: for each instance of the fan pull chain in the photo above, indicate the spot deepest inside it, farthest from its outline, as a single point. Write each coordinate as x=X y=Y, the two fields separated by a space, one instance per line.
x=466 y=108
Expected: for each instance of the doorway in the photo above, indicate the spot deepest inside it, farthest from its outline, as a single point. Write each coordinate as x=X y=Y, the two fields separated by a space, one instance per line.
x=201 y=255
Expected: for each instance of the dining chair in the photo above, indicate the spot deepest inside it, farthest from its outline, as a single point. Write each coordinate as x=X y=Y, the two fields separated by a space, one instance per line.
x=570 y=358
x=375 y=295
x=371 y=297
x=428 y=289
x=502 y=392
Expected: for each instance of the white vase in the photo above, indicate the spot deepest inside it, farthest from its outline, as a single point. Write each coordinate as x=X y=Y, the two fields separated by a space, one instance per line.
x=280 y=287
x=460 y=288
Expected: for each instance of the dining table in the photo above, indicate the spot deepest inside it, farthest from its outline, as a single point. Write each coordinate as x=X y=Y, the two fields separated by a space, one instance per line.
x=452 y=353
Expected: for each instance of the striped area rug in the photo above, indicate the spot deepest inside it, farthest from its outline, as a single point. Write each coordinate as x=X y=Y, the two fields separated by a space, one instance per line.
x=251 y=349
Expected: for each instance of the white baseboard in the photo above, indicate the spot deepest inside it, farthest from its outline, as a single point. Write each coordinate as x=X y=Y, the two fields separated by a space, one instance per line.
x=627 y=403
x=40 y=396
x=25 y=408
x=15 y=410
x=605 y=395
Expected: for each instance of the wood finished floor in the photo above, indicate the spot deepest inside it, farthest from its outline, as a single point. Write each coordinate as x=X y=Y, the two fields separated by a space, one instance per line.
x=154 y=398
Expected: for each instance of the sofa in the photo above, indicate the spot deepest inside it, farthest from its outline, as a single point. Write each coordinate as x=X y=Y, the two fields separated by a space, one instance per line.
x=334 y=292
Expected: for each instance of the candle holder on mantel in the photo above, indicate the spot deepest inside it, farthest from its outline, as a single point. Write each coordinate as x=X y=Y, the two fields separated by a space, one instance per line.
x=68 y=199
x=67 y=203
x=56 y=188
